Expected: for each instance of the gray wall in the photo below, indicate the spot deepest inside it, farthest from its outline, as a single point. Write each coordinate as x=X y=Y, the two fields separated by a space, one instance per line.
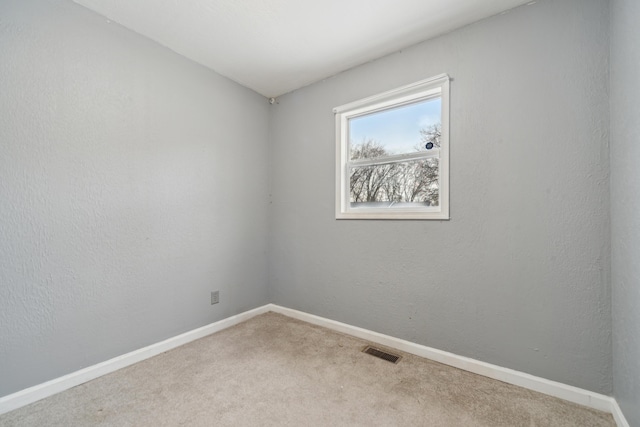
x=520 y=275
x=132 y=183
x=121 y=207
x=625 y=205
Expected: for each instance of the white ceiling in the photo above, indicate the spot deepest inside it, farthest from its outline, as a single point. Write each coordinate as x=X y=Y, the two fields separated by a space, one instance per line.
x=276 y=46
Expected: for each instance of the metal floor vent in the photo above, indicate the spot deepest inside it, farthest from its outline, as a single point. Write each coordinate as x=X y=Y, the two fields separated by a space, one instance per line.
x=393 y=358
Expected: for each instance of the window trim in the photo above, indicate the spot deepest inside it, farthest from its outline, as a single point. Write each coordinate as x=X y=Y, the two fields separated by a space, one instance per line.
x=437 y=86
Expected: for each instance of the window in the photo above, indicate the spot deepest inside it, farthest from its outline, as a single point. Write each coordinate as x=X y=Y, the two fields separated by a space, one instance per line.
x=392 y=154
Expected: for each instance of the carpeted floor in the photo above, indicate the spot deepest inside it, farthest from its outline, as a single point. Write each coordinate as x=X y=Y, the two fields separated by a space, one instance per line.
x=274 y=370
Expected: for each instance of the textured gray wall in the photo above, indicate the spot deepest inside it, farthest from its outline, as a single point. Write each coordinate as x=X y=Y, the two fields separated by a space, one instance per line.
x=520 y=275
x=625 y=205
x=132 y=183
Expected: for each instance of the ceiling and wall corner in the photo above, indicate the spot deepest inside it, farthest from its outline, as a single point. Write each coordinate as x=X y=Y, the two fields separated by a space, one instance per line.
x=276 y=46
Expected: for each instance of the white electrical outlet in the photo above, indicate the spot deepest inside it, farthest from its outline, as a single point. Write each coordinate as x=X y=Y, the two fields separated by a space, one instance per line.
x=215 y=297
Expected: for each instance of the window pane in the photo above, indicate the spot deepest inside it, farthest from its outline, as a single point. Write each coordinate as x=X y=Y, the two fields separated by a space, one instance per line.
x=399 y=130
x=401 y=184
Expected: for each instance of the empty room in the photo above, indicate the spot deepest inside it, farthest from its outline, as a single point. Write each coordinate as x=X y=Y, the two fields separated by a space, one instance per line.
x=281 y=212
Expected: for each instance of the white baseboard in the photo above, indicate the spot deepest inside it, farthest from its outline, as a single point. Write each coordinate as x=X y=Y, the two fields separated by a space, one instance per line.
x=49 y=388
x=621 y=421
x=531 y=382
x=551 y=388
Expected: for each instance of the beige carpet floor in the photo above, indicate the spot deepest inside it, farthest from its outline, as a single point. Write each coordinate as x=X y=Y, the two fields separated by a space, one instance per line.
x=276 y=371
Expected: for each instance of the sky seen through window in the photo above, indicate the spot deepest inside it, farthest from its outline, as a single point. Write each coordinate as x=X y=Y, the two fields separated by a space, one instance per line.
x=397 y=129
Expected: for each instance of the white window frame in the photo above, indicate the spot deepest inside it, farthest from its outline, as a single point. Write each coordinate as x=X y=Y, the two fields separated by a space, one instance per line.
x=434 y=87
